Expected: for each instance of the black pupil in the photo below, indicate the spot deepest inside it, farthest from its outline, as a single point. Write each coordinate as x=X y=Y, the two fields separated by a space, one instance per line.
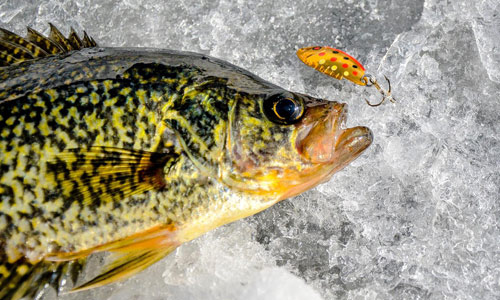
x=286 y=109
x=283 y=108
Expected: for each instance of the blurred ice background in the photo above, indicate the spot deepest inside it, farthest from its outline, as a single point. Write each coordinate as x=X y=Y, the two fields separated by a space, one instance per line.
x=415 y=217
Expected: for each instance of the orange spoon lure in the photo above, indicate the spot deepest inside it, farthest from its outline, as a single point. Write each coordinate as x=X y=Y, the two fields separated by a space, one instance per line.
x=338 y=64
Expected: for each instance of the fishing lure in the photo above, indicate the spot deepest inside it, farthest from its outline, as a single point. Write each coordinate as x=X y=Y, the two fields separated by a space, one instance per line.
x=338 y=64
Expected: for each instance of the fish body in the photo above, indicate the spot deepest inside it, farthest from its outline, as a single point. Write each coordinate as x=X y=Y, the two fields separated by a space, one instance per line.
x=136 y=151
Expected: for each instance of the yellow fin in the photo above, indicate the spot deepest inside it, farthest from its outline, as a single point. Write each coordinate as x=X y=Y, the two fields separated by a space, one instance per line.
x=129 y=255
x=105 y=174
x=154 y=238
x=16 y=40
x=125 y=265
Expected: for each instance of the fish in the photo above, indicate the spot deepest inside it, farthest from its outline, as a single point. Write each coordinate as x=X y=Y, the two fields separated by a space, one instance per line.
x=135 y=151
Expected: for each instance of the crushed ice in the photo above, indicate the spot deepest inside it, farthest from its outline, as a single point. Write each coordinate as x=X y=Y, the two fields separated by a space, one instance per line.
x=415 y=217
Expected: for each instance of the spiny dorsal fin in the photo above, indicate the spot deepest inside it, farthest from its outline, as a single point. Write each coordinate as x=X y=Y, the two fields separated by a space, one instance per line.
x=59 y=38
x=88 y=42
x=15 y=49
x=13 y=38
x=43 y=42
x=74 y=40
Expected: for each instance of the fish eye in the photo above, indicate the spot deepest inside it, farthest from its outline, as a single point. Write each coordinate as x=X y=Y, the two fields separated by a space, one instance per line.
x=283 y=109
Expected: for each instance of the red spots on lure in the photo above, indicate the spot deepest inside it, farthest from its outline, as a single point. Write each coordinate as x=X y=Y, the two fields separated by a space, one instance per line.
x=333 y=62
x=338 y=64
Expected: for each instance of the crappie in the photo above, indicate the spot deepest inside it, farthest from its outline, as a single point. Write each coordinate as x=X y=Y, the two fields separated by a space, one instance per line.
x=136 y=151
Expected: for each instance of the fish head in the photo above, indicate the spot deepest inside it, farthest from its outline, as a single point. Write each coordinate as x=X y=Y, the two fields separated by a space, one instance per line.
x=282 y=144
x=259 y=139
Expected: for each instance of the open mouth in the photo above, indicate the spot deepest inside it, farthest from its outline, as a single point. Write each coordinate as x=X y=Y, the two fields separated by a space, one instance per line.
x=324 y=146
x=325 y=143
x=322 y=136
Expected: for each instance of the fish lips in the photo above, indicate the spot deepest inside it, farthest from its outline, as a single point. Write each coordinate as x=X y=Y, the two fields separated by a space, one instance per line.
x=325 y=145
x=323 y=139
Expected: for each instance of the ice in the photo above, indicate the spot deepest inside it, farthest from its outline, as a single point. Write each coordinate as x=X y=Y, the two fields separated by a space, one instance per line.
x=415 y=217
x=249 y=272
x=486 y=26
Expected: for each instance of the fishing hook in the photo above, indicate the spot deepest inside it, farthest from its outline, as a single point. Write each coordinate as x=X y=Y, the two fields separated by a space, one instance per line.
x=370 y=80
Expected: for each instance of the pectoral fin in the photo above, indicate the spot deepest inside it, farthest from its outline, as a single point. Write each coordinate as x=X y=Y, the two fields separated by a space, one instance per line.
x=103 y=174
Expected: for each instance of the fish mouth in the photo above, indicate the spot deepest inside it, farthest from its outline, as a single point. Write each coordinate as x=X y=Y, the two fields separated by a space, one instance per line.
x=325 y=145
x=319 y=146
x=322 y=137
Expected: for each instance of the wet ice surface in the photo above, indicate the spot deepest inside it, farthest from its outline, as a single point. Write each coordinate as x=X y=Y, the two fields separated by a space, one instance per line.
x=415 y=217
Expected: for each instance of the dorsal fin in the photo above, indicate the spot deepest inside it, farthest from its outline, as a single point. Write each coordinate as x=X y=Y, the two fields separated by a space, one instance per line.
x=59 y=38
x=16 y=49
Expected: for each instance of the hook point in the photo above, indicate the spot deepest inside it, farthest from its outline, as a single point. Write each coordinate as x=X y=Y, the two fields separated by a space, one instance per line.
x=385 y=94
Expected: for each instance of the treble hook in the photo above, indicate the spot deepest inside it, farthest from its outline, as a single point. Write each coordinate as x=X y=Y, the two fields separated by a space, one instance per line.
x=370 y=80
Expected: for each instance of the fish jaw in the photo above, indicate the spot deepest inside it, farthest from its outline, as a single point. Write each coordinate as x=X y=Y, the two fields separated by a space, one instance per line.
x=319 y=146
x=319 y=131
x=323 y=141
x=351 y=143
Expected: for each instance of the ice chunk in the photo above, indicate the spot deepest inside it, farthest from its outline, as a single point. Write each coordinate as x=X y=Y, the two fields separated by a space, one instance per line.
x=486 y=26
x=415 y=217
x=276 y=283
x=216 y=266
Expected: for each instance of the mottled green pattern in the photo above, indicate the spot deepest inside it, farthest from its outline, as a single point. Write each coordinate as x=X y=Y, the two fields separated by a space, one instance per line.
x=55 y=196
x=137 y=151
x=38 y=129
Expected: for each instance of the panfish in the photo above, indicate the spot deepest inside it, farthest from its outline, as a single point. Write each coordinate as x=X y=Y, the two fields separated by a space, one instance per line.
x=135 y=151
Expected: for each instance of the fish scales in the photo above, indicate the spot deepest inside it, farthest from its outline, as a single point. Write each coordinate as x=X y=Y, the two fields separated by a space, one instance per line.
x=84 y=114
x=136 y=151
